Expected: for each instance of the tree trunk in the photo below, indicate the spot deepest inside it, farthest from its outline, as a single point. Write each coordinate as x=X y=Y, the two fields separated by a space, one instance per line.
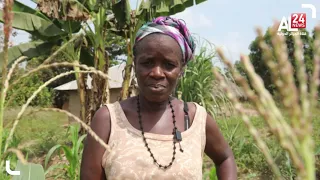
x=82 y=95
x=127 y=77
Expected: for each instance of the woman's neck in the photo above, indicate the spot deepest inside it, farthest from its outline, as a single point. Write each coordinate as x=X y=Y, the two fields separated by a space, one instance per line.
x=145 y=104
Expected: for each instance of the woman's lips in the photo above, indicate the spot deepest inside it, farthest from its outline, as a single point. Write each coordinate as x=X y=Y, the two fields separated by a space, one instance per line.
x=156 y=87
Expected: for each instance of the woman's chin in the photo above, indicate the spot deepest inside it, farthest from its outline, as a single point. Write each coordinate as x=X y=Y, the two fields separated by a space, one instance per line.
x=156 y=95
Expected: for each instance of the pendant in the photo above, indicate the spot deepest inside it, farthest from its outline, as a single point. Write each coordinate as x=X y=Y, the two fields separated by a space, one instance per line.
x=178 y=135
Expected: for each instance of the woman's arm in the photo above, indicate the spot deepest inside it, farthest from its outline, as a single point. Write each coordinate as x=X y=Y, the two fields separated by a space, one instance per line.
x=91 y=165
x=219 y=151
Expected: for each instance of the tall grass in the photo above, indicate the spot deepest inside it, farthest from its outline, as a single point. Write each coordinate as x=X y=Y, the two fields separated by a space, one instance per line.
x=198 y=84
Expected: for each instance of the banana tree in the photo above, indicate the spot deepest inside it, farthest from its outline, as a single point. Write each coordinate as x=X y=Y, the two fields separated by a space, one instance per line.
x=118 y=17
x=96 y=12
x=56 y=20
x=129 y=21
x=47 y=32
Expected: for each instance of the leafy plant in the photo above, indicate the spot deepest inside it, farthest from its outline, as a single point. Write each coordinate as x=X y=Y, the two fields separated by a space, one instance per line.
x=72 y=153
x=212 y=174
x=29 y=171
x=198 y=83
x=19 y=93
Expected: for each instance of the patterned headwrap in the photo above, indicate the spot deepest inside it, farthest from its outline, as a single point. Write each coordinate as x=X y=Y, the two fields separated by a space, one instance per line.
x=174 y=28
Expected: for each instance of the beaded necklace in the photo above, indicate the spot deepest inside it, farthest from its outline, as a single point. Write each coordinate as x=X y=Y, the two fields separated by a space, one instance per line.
x=176 y=133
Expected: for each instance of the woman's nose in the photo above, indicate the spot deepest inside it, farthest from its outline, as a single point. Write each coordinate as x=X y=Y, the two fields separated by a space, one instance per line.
x=157 y=72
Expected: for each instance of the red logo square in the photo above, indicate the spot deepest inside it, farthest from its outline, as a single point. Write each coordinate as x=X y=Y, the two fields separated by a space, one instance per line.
x=298 y=20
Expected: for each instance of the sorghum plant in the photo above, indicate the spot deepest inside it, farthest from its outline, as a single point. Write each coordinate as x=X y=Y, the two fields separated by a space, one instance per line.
x=292 y=126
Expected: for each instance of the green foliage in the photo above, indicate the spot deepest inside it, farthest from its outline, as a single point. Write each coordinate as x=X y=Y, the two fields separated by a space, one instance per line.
x=48 y=96
x=250 y=161
x=196 y=85
x=149 y=9
x=211 y=174
x=9 y=156
x=23 y=91
x=47 y=32
x=262 y=69
x=115 y=46
x=41 y=130
x=29 y=171
x=72 y=153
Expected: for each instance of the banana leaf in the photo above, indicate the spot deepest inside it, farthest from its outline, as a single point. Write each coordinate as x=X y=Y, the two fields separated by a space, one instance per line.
x=29 y=171
x=154 y=8
x=34 y=25
x=38 y=24
x=20 y=7
x=122 y=12
x=30 y=49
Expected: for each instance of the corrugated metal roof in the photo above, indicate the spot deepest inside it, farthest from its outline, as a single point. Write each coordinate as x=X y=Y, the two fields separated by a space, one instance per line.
x=116 y=74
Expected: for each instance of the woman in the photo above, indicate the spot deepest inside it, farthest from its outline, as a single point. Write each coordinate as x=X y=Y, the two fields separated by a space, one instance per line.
x=154 y=135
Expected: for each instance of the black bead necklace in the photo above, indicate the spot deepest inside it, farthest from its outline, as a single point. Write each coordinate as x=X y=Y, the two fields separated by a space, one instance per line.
x=176 y=133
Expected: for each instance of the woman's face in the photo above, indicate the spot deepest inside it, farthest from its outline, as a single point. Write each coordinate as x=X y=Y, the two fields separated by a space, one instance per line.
x=157 y=66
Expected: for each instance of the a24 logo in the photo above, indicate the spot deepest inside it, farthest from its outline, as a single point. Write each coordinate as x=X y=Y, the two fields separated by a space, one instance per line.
x=296 y=20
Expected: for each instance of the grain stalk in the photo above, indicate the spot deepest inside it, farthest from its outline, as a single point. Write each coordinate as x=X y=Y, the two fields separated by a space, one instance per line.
x=84 y=125
x=52 y=65
x=315 y=80
x=295 y=137
x=46 y=66
x=267 y=56
x=7 y=28
x=64 y=46
x=35 y=94
x=258 y=103
x=18 y=153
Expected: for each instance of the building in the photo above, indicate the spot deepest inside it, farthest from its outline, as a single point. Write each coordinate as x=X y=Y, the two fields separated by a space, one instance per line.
x=116 y=74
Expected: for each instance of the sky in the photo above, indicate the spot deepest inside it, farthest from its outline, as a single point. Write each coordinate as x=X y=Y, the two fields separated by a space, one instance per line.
x=230 y=24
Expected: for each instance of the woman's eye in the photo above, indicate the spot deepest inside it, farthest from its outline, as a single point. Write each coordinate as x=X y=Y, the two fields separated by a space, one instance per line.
x=171 y=65
x=146 y=63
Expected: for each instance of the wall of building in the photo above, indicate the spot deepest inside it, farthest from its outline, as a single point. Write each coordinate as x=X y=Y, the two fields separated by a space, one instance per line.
x=73 y=105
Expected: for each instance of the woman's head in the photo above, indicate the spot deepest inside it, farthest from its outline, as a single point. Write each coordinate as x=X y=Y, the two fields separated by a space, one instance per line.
x=162 y=48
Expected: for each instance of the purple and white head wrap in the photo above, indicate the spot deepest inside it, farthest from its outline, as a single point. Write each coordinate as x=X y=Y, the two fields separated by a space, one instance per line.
x=174 y=28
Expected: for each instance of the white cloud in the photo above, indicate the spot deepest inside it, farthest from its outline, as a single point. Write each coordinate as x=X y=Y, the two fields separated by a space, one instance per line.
x=194 y=20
